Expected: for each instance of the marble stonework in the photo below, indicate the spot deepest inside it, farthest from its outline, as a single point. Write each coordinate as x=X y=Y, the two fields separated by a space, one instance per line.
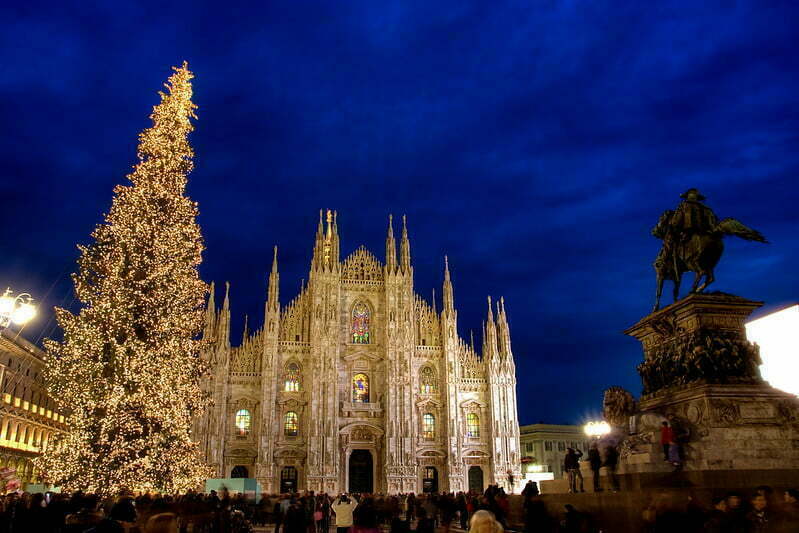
x=307 y=357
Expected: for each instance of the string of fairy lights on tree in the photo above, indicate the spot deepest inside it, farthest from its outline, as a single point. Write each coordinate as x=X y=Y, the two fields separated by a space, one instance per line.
x=128 y=369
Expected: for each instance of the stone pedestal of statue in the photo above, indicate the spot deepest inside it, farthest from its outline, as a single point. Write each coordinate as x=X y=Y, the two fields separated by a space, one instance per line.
x=701 y=373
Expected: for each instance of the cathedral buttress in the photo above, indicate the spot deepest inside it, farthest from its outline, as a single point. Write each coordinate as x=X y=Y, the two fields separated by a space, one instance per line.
x=502 y=386
x=271 y=373
x=400 y=331
x=450 y=345
x=322 y=465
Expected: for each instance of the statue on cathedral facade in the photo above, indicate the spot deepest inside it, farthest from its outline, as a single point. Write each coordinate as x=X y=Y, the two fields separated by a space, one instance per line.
x=692 y=242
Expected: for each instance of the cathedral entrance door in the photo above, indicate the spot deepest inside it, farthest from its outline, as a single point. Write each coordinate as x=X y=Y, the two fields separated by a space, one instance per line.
x=430 y=479
x=361 y=471
x=288 y=479
x=239 y=471
x=475 y=479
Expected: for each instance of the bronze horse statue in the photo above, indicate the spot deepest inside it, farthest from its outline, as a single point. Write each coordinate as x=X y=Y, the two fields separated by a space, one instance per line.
x=698 y=253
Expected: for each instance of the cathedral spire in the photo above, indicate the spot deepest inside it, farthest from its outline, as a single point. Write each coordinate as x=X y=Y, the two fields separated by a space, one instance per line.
x=326 y=247
x=223 y=331
x=246 y=331
x=391 y=247
x=335 y=256
x=210 y=313
x=318 y=247
x=490 y=348
x=435 y=312
x=449 y=300
x=503 y=331
x=273 y=293
x=405 y=249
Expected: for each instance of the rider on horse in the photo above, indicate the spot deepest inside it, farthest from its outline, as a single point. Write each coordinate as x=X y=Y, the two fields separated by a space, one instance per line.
x=692 y=242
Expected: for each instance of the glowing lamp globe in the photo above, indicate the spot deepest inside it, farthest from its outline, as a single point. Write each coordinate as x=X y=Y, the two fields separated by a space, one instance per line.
x=23 y=314
x=596 y=428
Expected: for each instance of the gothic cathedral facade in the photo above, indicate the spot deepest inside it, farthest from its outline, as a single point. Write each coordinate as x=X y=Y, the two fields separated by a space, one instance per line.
x=360 y=385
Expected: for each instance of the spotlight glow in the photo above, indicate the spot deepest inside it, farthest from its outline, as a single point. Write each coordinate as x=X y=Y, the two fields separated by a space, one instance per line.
x=778 y=337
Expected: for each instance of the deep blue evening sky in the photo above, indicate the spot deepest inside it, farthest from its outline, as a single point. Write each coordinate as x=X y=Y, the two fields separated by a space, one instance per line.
x=535 y=143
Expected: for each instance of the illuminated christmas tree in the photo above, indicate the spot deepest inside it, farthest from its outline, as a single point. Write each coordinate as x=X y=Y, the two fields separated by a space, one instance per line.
x=128 y=368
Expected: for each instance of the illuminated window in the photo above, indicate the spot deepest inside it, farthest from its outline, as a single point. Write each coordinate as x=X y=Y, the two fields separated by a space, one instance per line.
x=360 y=324
x=472 y=425
x=428 y=426
x=292 y=378
x=291 y=424
x=243 y=421
x=427 y=380
x=360 y=388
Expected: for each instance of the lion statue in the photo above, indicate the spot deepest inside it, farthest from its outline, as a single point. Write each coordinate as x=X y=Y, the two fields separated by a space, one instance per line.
x=618 y=406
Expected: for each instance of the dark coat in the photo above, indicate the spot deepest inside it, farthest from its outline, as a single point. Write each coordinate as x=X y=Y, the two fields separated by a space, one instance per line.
x=594 y=459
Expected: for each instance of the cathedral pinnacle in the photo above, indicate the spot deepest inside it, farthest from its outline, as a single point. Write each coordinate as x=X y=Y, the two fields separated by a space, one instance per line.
x=210 y=313
x=405 y=248
x=448 y=296
x=391 y=247
x=226 y=301
x=273 y=291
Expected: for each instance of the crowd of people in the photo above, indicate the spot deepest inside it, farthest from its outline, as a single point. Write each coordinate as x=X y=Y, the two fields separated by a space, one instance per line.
x=225 y=513
x=763 y=511
x=571 y=465
x=671 y=440
x=766 y=511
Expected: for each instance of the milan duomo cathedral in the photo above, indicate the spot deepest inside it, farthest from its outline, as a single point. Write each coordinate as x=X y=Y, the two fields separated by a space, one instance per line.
x=360 y=385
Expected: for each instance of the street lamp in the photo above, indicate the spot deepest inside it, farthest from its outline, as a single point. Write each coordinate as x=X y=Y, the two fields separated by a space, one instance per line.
x=17 y=309
x=597 y=429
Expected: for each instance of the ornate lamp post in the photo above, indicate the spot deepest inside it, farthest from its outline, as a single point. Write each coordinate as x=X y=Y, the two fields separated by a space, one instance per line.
x=18 y=309
x=597 y=429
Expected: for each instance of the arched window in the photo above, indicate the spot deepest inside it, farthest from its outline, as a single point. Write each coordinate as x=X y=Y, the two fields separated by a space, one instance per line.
x=291 y=424
x=427 y=380
x=243 y=421
x=360 y=324
x=472 y=425
x=360 y=388
x=428 y=426
x=292 y=378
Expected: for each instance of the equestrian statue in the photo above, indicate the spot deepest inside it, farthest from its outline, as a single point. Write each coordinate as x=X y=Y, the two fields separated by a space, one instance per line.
x=692 y=242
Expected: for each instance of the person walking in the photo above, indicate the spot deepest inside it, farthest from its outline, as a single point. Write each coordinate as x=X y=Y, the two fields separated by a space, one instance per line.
x=595 y=461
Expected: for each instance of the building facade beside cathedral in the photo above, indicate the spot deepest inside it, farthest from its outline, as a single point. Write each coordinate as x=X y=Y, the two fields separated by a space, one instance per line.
x=360 y=385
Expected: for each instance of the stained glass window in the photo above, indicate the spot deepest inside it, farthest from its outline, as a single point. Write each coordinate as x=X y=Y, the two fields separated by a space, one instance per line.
x=428 y=426
x=472 y=425
x=292 y=378
x=291 y=424
x=427 y=380
x=360 y=324
x=243 y=421
x=360 y=388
